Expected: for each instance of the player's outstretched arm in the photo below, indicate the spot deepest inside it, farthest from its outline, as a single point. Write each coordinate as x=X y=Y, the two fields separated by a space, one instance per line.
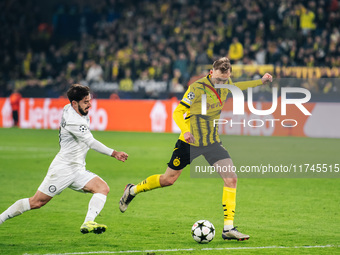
x=254 y=83
x=101 y=148
x=120 y=155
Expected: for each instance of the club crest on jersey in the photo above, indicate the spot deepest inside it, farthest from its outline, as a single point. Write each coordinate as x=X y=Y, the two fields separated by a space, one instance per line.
x=176 y=162
x=82 y=128
x=191 y=95
x=52 y=188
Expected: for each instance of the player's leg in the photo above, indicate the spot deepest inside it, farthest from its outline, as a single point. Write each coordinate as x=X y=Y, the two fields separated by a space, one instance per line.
x=44 y=194
x=99 y=188
x=169 y=177
x=25 y=204
x=152 y=182
x=219 y=157
x=15 y=115
x=97 y=185
x=229 y=199
x=179 y=159
x=157 y=181
x=229 y=191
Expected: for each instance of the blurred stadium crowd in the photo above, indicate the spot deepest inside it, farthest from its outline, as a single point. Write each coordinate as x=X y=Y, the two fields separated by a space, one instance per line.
x=123 y=44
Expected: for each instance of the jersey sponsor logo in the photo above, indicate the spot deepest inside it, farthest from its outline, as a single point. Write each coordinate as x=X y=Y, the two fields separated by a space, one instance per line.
x=212 y=106
x=191 y=95
x=52 y=188
x=176 y=162
x=82 y=128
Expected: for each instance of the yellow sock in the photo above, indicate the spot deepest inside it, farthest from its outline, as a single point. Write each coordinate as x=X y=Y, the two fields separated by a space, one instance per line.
x=152 y=182
x=229 y=204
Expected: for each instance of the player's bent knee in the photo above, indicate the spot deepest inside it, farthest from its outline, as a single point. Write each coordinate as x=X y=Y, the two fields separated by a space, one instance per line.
x=106 y=189
x=97 y=185
x=230 y=182
x=103 y=189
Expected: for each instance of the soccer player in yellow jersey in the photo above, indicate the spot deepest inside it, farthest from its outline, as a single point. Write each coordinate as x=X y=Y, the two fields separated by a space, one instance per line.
x=199 y=136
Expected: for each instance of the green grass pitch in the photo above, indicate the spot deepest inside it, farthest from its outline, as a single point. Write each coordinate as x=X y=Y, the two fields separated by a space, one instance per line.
x=280 y=212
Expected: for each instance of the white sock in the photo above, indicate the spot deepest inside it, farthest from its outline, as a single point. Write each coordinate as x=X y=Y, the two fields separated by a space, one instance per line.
x=96 y=204
x=133 y=191
x=228 y=227
x=15 y=209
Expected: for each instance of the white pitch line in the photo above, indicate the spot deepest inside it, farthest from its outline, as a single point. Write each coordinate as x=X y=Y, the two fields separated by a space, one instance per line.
x=192 y=249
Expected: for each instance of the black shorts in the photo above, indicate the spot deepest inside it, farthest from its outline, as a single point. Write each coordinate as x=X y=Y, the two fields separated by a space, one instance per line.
x=15 y=116
x=184 y=154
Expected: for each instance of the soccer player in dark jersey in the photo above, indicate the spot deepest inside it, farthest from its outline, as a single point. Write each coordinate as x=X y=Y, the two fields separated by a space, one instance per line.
x=199 y=136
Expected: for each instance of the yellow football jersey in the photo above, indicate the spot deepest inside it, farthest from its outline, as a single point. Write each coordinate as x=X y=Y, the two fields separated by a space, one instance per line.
x=201 y=125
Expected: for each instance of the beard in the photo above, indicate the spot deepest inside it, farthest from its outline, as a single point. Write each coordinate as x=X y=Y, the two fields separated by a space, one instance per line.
x=82 y=111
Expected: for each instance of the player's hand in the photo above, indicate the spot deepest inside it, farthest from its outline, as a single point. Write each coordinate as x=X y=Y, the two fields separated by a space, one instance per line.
x=189 y=138
x=266 y=78
x=120 y=155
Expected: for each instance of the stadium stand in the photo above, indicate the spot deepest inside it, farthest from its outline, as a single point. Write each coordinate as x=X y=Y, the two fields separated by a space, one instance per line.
x=151 y=49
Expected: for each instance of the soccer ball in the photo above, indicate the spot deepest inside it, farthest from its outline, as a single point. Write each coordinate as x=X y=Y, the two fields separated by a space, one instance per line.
x=203 y=231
